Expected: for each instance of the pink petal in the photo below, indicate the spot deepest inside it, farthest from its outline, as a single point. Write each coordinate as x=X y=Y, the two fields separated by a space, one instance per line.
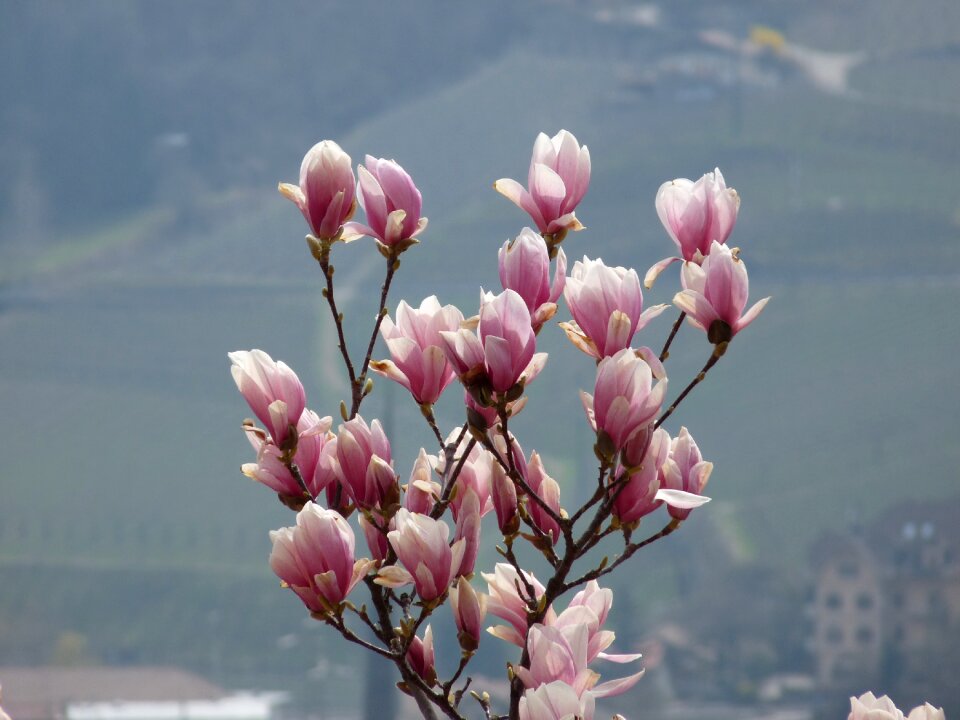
x=399 y=187
x=548 y=192
x=681 y=499
x=617 y=687
x=654 y=272
x=393 y=230
x=751 y=314
x=393 y=576
x=354 y=231
x=518 y=195
x=373 y=200
x=697 y=307
x=544 y=153
x=619 y=333
x=567 y=221
x=499 y=362
x=587 y=400
x=620 y=658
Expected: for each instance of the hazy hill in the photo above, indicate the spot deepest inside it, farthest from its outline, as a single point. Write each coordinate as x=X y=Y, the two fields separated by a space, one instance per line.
x=143 y=239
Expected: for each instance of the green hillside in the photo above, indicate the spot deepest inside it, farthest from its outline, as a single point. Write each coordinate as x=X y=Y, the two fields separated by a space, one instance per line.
x=122 y=431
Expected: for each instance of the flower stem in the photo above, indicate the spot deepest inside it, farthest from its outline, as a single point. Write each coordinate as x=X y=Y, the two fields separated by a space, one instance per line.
x=357 y=384
x=327 y=270
x=628 y=551
x=427 y=411
x=665 y=353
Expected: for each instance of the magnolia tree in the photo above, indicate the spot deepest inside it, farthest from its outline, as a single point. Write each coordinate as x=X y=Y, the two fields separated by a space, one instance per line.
x=419 y=540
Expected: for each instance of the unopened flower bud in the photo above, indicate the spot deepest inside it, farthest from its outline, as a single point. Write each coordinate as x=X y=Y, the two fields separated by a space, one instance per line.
x=558 y=179
x=504 y=494
x=325 y=195
x=469 y=609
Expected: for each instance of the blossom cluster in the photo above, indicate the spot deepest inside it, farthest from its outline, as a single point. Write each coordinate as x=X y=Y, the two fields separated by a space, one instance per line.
x=870 y=707
x=422 y=539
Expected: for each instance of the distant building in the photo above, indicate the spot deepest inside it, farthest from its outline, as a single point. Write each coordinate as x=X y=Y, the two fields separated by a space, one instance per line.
x=847 y=627
x=142 y=693
x=886 y=603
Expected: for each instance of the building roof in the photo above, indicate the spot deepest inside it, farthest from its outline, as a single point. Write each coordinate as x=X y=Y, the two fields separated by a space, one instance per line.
x=921 y=520
x=907 y=524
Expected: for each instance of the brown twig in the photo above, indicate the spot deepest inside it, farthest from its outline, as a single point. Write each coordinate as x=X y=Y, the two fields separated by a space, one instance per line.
x=327 y=269
x=357 y=384
x=665 y=353
x=628 y=551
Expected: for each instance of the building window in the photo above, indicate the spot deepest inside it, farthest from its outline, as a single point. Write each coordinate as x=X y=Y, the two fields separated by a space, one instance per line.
x=834 y=635
x=864 y=601
x=865 y=635
x=833 y=601
x=848 y=569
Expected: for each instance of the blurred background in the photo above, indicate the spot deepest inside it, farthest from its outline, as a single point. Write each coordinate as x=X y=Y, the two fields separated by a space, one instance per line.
x=142 y=238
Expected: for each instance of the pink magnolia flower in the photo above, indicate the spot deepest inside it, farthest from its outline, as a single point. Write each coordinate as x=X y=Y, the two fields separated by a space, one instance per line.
x=590 y=608
x=326 y=192
x=487 y=417
x=508 y=339
x=695 y=214
x=316 y=557
x=508 y=600
x=638 y=497
x=429 y=562
x=716 y=293
x=870 y=707
x=422 y=658
x=468 y=530
x=504 y=496
x=415 y=345
x=607 y=307
x=422 y=491
x=503 y=450
x=636 y=448
x=557 y=181
x=272 y=390
x=469 y=608
x=548 y=491
x=685 y=471
x=598 y=599
x=474 y=472
x=556 y=701
x=556 y=655
x=625 y=399
x=525 y=267
x=502 y=351
x=561 y=652
x=926 y=712
x=391 y=202
x=315 y=458
x=475 y=476
x=364 y=464
x=376 y=535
